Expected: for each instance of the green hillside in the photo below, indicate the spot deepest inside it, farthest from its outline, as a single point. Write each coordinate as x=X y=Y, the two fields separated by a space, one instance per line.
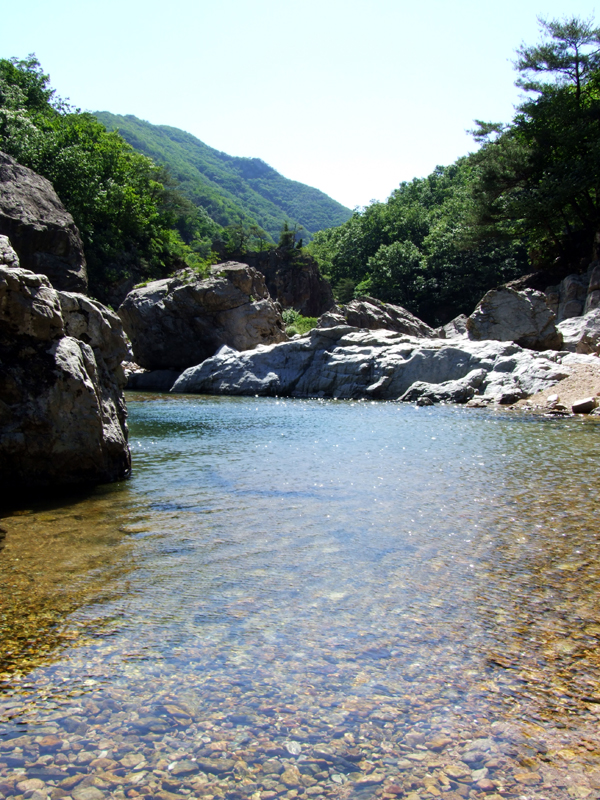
x=231 y=189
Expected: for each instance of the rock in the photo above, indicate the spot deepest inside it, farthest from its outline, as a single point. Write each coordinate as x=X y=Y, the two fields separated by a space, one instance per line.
x=453 y=329
x=62 y=412
x=8 y=256
x=216 y=766
x=39 y=227
x=458 y=771
x=158 y=380
x=174 y=324
x=585 y=405
x=347 y=363
x=294 y=281
x=569 y=297
x=581 y=334
x=528 y=778
x=372 y=314
x=30 y=785
x=509 y=316
x=88 y=793
x=184 y=768
x=332 y=318
x=89 y=321
x=593 y=293
x=290 y=777
x=458 y=391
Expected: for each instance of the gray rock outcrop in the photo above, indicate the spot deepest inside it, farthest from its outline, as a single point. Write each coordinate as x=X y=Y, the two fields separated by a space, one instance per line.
x=39 y=227
x=62 y=413
x=576 y=294
x=373 y=314
x=176 y=323
x=581 y=334
x=344 y=362
x=507 y=315
x=454 y=329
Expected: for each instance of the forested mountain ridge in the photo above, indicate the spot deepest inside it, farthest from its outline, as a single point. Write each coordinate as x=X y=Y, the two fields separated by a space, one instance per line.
x=231 y=189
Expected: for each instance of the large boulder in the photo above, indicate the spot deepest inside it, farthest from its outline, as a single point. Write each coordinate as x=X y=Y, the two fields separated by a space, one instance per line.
x=455 y=329
x=62 y=413
x=581 y=334
x=507 y=315
x=39 y=227
x=567 y=299
x=178 y=322
x=345 y=362
x=373 y=314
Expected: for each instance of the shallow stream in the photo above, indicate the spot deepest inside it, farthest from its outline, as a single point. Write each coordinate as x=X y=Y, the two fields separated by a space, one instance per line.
x=310 y=599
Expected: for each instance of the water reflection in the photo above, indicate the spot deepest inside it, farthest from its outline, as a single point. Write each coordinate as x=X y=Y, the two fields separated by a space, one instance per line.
x=305 y=598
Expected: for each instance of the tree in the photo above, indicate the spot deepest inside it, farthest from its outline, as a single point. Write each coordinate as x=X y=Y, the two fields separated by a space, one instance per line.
x=539 y=177
x=570 y=54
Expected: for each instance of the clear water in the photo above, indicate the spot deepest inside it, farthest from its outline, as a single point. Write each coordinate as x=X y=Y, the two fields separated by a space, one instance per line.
x=306 y=599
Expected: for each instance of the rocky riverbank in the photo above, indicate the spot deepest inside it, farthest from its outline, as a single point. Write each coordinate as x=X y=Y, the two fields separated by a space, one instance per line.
x=62 y=411
x=346 y=363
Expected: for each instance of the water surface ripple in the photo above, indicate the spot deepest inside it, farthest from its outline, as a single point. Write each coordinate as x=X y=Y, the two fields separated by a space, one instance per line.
x=310 y=599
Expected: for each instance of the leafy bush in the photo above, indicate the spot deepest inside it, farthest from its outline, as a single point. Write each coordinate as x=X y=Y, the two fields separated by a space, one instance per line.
x=294 y=320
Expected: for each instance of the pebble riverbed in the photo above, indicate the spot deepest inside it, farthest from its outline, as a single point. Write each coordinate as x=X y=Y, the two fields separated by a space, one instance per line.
x=306 y=599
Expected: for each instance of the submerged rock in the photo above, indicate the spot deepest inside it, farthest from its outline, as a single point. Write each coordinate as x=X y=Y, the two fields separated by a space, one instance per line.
x=62 y=413
x=507 y=315
x=40 y=229
x=174 y=324
x=344 y=362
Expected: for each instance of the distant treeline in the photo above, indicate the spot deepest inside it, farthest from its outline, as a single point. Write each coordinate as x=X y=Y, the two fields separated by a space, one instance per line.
x=527 y=200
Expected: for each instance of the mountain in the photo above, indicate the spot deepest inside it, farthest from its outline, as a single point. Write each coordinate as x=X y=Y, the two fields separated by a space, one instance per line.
x=229 y=188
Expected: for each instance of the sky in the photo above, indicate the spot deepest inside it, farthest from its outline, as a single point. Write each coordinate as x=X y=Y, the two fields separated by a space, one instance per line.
x=350 y=96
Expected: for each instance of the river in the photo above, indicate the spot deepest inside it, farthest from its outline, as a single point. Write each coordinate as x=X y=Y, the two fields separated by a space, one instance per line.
x=303 y=598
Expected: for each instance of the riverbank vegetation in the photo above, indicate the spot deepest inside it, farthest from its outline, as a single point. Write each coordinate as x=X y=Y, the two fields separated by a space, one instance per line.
x=528 y=199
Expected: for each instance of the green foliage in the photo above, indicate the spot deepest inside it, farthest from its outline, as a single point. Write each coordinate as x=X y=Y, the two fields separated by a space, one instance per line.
x=231 y=190
x=569 y=55
x=530 y=196
x=288 y=237
x=418 y=249
x=343 y=291
x=131 y=218
x=295 y=323
x=539 y=177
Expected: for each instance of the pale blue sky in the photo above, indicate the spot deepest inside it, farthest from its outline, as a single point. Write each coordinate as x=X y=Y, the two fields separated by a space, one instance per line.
x=346 y=95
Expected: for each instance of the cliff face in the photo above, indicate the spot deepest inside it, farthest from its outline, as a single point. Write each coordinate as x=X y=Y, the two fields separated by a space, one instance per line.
x=62 y=412
x=293 y=280
x=39 y=227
